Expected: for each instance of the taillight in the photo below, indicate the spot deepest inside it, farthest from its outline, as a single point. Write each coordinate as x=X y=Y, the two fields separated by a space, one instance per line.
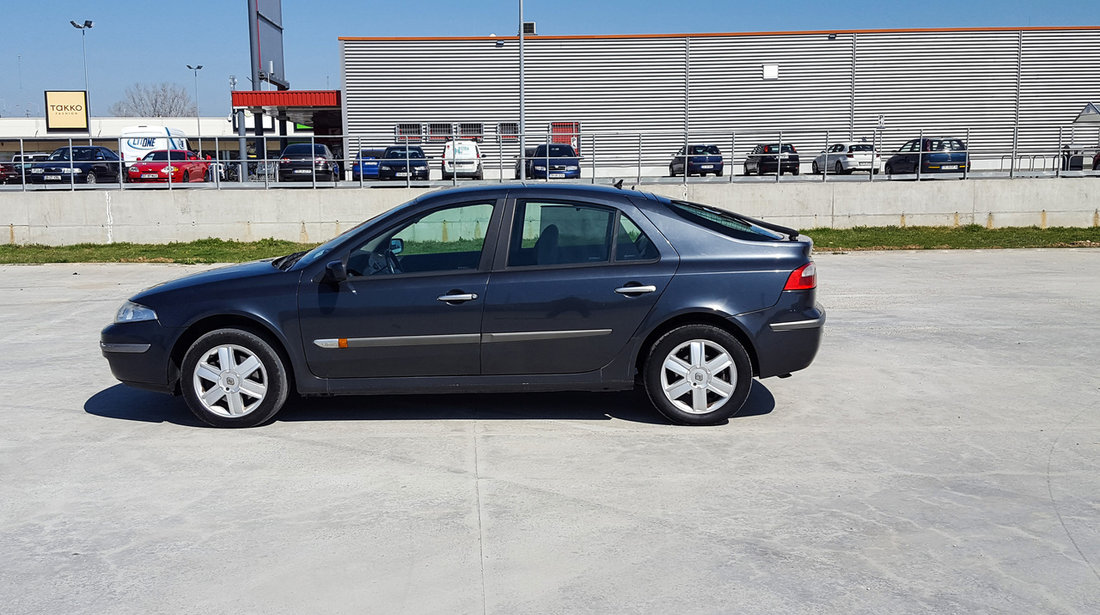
x=285 y=161
x=803 y=278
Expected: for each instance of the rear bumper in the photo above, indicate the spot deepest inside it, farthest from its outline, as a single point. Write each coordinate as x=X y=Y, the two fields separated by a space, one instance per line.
x=786 y=336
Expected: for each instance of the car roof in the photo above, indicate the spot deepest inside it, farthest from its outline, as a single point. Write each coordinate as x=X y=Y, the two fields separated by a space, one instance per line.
x=554 y=190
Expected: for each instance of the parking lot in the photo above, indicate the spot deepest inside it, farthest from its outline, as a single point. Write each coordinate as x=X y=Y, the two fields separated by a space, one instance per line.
x=940 y=456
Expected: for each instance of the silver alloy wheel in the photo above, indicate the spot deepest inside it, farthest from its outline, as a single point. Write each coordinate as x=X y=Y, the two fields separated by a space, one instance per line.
x=700 y=371
x=230 y=381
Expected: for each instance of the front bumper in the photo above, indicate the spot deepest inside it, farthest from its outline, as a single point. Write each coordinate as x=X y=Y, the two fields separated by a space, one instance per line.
x=139 y=354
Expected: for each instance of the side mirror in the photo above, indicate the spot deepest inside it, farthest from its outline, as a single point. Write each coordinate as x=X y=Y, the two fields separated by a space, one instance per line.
x=336 y=272
x=397 y=246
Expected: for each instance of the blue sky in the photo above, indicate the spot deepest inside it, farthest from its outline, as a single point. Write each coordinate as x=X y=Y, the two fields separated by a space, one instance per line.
x=153 y=41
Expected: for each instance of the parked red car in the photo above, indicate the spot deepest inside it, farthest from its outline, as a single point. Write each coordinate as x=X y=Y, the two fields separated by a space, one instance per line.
x=183 y=165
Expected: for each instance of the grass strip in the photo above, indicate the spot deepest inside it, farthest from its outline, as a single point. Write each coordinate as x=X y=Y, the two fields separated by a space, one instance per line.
x=969 y=237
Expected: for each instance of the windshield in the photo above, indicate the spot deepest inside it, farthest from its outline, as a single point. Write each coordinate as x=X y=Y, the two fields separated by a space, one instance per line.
x=711 y=150
x=163 y=155
x=556 y=151
x=941 y=145
x=371 y=153
x=303 y=149
x=862 y=147
x=78 y=154
x=400 y=152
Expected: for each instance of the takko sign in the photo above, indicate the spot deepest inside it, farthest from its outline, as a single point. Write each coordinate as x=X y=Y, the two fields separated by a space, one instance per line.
x=66 y=111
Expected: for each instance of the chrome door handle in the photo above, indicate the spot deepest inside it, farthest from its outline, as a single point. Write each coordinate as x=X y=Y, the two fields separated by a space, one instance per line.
x=462 y=297
x=635 y=290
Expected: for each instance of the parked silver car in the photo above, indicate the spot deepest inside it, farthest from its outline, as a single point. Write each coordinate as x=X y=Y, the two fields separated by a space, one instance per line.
x=845 y=157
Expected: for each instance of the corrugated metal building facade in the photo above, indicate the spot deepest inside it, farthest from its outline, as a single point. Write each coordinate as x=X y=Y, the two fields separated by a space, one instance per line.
x=1007 y=89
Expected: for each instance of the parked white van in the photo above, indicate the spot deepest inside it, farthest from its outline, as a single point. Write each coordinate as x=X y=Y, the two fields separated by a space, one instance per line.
x=462 y=159
x=137 y=141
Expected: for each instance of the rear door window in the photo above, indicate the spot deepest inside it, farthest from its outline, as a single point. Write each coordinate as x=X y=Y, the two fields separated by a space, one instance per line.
x=560 y=234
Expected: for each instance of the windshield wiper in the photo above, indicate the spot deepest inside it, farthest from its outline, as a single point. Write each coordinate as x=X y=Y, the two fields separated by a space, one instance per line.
x=286 y=262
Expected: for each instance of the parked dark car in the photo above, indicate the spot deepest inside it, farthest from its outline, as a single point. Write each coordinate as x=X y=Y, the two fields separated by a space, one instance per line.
x=765 y=157
x=701 y=159
x=929 y=155
x=306 y=162
x=366 y=164
x=559 y=161
x=12 y=172
x=87 y=164
x=403 y=161
x=502 y=288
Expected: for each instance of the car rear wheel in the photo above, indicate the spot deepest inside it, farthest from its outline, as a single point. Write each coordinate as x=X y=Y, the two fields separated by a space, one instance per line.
x=839 y=168
x=718 y=173
x=697 y=375
x=816 y=170
x=233 y=378
x=889 y=169
x=90 y=177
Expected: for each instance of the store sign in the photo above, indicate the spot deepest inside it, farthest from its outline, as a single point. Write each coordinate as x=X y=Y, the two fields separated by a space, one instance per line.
x=66 y=111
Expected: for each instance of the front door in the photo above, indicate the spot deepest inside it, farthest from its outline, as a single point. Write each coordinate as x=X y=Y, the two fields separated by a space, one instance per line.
x=411 y=305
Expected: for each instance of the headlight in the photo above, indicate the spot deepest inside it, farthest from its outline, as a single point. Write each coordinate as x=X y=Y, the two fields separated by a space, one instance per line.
x=68 y=170
x=168 y=170
x=36 y=170
x=134 y=312
x=540 y=168
x=571 y=168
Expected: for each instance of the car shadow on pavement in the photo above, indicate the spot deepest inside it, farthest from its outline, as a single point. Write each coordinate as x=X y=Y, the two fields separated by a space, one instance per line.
x=130 y=404
x=126 y=403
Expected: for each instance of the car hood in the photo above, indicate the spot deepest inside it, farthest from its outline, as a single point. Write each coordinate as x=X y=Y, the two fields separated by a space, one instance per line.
x=213 y=277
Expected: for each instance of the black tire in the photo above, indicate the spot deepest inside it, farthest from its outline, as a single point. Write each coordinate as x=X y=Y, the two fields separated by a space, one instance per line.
x=816 y=170
x=714 y=396
x=839 y=168
x=90 y=178
x=258 y=402
x=671 y=172
x=745 y=170
x=718 y=173
x=795 y=171
x=889 y=169
x=186 y=177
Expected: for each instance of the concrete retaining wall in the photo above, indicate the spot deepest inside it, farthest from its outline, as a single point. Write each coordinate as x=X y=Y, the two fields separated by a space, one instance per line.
x=144 y=216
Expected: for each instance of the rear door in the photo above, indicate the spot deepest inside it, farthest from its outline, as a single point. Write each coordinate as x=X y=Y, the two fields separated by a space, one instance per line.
x=571 y=284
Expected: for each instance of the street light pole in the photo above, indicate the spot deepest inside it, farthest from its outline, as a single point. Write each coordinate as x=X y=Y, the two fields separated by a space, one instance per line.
x=522 y=123
x=87 y=25
x=198 y=122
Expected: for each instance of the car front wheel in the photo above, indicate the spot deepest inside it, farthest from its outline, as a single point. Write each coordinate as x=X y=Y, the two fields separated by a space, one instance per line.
x=233 y=378
x=697 y=375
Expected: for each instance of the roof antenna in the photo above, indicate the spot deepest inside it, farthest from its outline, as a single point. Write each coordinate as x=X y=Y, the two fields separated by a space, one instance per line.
x=618 y=185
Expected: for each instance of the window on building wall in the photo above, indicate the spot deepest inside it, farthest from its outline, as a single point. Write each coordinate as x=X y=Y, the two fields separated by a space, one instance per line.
x=439 y=132
x=770 y=72
x=471 y=132
x=408 y=133
x=508 y=132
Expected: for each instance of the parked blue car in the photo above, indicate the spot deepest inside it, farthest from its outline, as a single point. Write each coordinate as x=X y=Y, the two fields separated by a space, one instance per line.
x=701 y=159
x=560 y=161
x=526 y=288
x=366 y=165
x=86 y=164
x=929 y=155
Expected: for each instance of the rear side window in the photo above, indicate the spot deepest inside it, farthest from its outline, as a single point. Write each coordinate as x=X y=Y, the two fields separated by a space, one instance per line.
x=723 y=222
x=575 y=234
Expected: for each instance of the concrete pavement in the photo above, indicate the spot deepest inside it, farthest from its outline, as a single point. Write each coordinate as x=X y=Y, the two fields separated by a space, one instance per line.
x=940 y=456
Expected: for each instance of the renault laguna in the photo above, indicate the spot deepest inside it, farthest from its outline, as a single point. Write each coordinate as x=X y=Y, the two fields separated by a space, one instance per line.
x=489 y=289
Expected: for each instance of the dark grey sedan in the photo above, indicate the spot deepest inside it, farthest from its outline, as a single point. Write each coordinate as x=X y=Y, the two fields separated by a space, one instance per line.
x=503 y=288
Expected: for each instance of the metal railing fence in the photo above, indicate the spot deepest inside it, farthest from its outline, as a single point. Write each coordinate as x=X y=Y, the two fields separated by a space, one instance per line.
x=603 y=157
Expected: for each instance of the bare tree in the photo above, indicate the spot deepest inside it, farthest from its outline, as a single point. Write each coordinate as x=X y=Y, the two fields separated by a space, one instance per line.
x=154 y=100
